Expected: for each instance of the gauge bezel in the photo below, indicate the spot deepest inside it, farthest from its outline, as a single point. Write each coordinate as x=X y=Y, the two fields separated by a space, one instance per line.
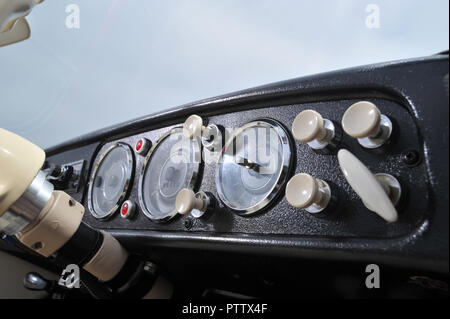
x=192 y=183
x=127 y=186
x=287 y=151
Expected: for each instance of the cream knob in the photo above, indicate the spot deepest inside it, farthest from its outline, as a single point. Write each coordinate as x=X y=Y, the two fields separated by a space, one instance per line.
x=364 y=121
x=308 y=126
x=193 y=127
x=307 y=192
x=186 y=201
x=373 y=190
x=311 y=128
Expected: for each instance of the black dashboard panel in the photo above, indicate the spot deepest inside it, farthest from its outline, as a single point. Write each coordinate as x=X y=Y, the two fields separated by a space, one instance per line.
x=413 y=93
x=351 y=218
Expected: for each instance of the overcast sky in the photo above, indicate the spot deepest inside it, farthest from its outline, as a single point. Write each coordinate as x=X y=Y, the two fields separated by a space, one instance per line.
x=133 y=57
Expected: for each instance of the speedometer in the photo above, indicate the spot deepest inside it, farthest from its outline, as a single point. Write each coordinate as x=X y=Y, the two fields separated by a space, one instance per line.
x=110 y=180
x=254 y=166
x=172 y=164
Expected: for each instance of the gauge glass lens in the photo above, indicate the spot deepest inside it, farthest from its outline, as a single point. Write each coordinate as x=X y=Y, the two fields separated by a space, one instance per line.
x=253 y=166
x=111 y=180
x=171 y=165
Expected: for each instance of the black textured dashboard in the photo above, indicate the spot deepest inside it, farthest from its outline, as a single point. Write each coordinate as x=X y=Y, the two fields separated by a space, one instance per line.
x=414 y=94
x=350 y=220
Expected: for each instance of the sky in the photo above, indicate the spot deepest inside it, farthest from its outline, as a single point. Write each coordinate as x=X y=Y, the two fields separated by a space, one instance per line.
x=130 y=58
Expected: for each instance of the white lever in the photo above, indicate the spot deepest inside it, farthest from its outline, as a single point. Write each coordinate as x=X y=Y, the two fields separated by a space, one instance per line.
x=189 y=202
x=373 y=191
x=309 y=127
x=364 y=121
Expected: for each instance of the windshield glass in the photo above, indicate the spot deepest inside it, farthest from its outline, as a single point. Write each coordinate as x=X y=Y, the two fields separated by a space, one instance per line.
x=90 y=64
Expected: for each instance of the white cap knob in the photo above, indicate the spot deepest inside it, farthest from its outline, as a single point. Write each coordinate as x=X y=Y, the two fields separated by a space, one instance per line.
x=186 y=201
x=361 y=120
x=366 y=185
x=193 y=126
x=308 y=126
x=305 y=191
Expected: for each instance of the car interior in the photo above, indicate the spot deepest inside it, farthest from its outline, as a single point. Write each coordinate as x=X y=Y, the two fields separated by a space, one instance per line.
x=324 y=185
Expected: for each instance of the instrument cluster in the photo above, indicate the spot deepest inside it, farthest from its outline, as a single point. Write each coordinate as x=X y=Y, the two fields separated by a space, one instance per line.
x=252 y=168
x=338 y=165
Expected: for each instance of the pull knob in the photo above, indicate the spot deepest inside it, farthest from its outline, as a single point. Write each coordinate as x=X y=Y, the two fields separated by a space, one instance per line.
x=193 y=126
x=195 y=203
x=309 y=127
x=305 y=191
x=379 y=193
x=364 y=121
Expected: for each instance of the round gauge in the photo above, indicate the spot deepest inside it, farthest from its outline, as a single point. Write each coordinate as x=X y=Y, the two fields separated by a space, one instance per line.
x=110 y=180
x=172 y=164
x=253 y=166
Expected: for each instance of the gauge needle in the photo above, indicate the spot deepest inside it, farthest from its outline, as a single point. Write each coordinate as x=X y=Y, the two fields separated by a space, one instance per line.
x=248 y=164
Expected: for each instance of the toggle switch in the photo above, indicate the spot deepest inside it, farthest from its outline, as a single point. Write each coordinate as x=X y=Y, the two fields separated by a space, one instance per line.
x=211 y=135
x=309 y=193
x=212 y=138
x=195 y=203
x=127 y=209
x=309 y=127
x=379 y=193
x=364 y=121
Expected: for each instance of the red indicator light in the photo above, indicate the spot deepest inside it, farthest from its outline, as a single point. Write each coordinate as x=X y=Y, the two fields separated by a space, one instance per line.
x=139 y=145
x=124 y=209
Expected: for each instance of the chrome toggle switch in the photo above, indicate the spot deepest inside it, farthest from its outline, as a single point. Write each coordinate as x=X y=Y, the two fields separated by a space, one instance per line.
x=379 y=193
x=311 y=128
x=212 y=138
x=197 y=204
x=211 y=135
x=364 y=121
x=309 y=193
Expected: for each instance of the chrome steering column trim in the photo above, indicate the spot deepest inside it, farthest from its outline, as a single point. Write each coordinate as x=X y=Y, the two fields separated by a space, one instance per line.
x=28 y=207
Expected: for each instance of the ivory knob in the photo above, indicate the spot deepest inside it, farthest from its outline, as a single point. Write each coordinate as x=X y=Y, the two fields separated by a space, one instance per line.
x=307 y=192
x=308 y=126
x=361 y=120
x=186 y=201
x=193 y=126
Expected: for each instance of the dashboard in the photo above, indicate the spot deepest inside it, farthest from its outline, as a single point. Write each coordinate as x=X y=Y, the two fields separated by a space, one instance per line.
x=267 y=171
x=148 y=186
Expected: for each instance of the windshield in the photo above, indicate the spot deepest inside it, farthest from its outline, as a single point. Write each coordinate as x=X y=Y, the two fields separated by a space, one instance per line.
x=90 y=64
